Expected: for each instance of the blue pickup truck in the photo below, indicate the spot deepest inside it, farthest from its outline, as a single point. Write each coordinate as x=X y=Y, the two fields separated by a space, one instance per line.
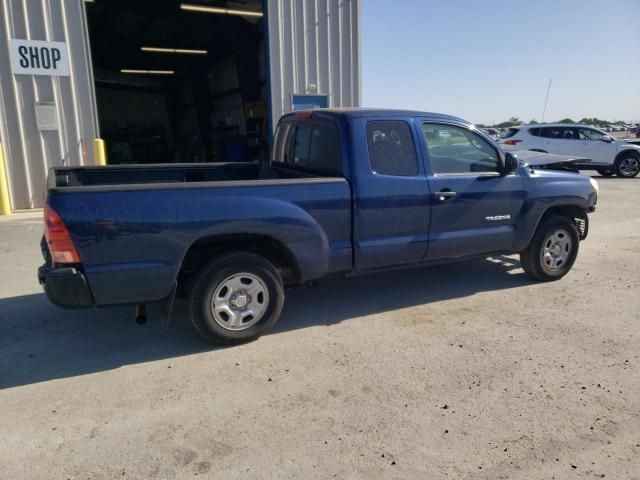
x=346 y=192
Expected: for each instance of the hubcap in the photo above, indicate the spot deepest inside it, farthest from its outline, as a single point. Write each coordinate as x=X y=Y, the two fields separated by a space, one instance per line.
x=629 y=166
x=239 y=301
x=556 y=250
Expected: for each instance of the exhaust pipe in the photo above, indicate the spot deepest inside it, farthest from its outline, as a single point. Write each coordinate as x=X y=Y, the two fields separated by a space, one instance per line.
x=141 y=314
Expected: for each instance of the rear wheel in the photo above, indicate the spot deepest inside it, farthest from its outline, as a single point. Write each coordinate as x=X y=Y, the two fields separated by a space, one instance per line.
x=606 y=172
x=628 y=166
x=553 y=250
x=236 y=297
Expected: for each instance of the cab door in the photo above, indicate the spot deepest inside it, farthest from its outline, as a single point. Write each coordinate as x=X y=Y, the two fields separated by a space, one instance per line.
x=474 y=207
x=595 y=148
x=391 y=194
x=568 y=142
x=552 y=140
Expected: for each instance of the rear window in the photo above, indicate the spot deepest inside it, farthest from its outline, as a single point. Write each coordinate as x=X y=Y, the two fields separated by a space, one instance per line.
x=301 y=145
x=509 y=132
x=308 y=146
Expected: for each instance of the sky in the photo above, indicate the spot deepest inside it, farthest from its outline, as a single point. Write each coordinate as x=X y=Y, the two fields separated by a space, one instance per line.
x=489 y=60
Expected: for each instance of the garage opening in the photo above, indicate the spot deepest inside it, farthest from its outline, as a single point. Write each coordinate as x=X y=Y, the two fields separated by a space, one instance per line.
x=179 y=81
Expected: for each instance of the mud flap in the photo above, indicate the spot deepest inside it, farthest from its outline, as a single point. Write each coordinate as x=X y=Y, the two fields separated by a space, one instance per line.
x=167 y=308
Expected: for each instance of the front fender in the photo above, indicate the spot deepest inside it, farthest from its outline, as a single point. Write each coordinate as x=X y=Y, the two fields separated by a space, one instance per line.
x=624 y=148
x=546 y=190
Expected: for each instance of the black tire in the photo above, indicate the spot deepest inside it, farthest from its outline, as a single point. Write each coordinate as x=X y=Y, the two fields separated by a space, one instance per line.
x=628 y=165
x=606 y=172
x=228 y=266
x=535 y=264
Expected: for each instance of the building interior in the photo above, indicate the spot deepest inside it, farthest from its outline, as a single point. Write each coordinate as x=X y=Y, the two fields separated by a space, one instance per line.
x=179 y=81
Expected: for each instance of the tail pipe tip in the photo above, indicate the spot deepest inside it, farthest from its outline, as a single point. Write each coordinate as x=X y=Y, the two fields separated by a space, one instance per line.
x=141 y=314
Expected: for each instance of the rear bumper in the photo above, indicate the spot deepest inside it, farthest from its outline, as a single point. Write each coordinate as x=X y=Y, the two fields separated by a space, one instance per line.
x=65 y=287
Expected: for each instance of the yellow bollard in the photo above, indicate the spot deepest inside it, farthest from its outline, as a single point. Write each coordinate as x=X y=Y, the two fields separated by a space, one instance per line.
x=5 y=204
x=99 y=152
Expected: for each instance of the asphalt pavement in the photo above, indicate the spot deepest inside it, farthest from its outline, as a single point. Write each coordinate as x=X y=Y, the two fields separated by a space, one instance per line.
x=460 y=371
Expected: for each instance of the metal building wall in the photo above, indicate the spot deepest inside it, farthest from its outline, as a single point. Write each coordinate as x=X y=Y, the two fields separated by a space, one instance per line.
x=29 y=152
x=313 y=43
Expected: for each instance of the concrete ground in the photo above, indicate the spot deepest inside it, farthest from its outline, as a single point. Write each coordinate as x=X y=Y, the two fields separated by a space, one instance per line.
x=460 y=371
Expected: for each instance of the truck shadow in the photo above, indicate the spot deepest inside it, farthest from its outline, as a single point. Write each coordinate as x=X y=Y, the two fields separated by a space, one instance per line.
x=333 y=301
x=39 y=342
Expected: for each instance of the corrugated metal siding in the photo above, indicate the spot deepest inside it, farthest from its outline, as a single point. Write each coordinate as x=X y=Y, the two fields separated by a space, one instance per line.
x=313 y=42
x=28 y=152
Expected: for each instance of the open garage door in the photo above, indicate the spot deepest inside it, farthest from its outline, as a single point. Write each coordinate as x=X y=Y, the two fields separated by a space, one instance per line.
x=179 y=81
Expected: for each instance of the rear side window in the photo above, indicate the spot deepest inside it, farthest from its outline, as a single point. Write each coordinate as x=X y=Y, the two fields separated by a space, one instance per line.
x=391 y=148
x=551 y=132
x=311 y=147
x=535 y=132
x=509 y=132
x=560 y=133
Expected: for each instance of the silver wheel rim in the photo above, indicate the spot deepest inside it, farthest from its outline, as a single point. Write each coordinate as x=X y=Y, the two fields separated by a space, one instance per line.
x=629 y=166
x=239 y=301
x=556 y=250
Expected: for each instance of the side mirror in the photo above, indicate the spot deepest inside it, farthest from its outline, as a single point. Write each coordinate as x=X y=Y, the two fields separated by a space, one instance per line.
x=511 y=163
x=607 y=138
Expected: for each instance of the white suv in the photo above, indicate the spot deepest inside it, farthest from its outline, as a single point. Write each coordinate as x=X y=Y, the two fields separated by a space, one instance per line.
x=607 y=154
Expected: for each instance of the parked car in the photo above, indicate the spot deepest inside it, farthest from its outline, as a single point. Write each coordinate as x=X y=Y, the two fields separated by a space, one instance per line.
x=607 y=155
x=494 y=133
x=346 y=192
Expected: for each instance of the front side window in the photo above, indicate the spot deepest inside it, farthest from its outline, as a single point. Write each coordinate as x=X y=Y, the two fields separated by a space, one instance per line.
x=570 y=134
x=391 y=148
x=456 y=150
x=590 y=134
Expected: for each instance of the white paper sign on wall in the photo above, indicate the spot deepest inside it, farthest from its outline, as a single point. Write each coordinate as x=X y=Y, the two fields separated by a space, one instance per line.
x=46 y=116
x=35 y=57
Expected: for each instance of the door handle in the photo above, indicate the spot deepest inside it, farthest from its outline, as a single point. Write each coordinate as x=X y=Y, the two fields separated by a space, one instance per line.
x=445 y=194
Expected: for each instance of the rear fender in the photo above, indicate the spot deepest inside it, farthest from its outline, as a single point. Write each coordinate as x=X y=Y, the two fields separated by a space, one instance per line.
x=284 y=222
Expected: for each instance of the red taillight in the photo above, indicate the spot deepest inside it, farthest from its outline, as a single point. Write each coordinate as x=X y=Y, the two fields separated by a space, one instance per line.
x=512 y=142
x=304 y=115
x=58 y=238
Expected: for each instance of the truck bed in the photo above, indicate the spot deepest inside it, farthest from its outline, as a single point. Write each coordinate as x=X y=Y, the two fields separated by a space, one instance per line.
x=151 y=174
x=133 y=225
x=185 y=175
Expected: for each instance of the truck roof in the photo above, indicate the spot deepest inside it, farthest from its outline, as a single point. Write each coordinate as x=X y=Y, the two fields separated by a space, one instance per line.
x=377 y=112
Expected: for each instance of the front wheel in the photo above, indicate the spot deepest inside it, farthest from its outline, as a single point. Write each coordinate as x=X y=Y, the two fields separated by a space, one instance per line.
x=236 y=298
x=628 y=166
x=553 y=250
